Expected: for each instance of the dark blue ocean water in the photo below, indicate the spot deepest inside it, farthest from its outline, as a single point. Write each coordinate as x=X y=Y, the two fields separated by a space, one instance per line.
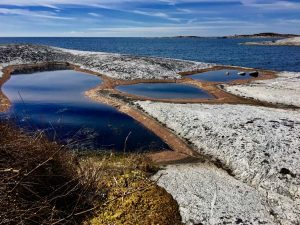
x=214 y=50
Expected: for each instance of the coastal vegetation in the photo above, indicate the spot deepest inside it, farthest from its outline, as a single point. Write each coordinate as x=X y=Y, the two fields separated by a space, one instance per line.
x=43 y=182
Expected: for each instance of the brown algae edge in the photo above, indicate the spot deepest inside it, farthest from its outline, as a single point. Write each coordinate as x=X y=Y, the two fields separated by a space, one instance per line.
x=106 y=93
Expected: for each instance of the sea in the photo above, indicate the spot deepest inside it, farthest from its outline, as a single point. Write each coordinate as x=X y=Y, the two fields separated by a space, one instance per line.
x=212 y=50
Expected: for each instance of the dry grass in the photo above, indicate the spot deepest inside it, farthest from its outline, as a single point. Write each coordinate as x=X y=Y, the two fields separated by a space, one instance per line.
x=39 y=182
x=44 y=183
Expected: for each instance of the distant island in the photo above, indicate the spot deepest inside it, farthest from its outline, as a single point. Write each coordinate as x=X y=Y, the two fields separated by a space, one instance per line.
x=183 y=36
x=258 y=35
x=294 y=41
x=262 y=35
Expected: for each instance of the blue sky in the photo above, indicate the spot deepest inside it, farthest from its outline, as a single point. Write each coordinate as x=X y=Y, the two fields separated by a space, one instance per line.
x=115 y=18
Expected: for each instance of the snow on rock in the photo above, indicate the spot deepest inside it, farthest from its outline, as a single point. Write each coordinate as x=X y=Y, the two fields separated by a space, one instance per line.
x=295 y=41
x=132 y=67
x=285 y=89
x=208 y=195
x=24 y=54
x=260 y=146
x=114 y=65
x=288 y=41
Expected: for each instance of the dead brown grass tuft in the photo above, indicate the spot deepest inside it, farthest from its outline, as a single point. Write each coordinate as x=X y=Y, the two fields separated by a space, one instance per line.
x=39 y=181
x=42 y=182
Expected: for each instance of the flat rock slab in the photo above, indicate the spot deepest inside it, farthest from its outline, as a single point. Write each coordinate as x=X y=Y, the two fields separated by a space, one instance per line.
x=293 y=41
x=283 y=90
x=117 y=66
x=259 y=146
x=208 y=195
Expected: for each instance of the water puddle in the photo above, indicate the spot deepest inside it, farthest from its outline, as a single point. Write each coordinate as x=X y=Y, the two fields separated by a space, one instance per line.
x=55 y=102
x=165 y=91
x=223 y=75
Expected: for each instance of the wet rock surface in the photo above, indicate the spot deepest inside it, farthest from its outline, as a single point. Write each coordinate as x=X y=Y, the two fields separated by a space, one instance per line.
x=258 y=146
x=114 y=65
x=285 y=89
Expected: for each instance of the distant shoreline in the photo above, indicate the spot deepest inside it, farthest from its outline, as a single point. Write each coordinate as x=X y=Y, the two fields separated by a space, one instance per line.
x=262 y=35
x=258 y=35
x=294 y=41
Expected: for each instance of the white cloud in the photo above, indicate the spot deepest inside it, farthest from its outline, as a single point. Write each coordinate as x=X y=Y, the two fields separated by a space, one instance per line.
x=117 y=4
x=157 y=14
x=175 y=19
x=28 y=13
x=54 y=3
x=171 y=27
x=50 y=6
x=271 y=5
x=95 y=14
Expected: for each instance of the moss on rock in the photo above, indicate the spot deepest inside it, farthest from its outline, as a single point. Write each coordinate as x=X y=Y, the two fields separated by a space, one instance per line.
x=132 y=198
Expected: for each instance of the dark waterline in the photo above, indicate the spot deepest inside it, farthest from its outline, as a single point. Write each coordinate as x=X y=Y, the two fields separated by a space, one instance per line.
x=213 y=50
x=220 y=76
x=164 y=91
x=55 y=102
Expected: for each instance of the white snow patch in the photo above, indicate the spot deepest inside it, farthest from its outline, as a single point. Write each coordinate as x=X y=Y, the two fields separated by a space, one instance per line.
x=259 y=145
x=289 y=41
x=282 y=90
x=294 y=41
x=127 y=67
x=83 y=53
x=208 y=195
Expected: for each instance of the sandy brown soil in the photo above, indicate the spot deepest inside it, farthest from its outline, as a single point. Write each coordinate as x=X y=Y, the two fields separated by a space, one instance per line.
x=220 y=96
x=4 y=101
x=106 y=93
x=181 y=150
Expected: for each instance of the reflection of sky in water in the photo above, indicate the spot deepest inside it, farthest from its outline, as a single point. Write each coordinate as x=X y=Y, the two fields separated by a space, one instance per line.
x=55 y=101
x=50 y=87
x=164 y=90
x=220 y=76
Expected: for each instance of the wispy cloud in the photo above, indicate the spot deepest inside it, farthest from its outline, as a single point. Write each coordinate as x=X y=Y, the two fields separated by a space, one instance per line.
x=272 y=5
x=101 y=2
x=171 y=30
x=157 y=14
x=148 y=17
x=28 y=13
x=95 y=14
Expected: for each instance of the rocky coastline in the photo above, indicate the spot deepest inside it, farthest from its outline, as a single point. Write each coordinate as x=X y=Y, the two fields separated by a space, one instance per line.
x=249 y=154
x=262 y=35
x=293 y=41
x=124 y=67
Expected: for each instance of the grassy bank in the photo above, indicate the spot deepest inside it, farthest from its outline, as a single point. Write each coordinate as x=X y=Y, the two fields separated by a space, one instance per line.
x=44 y=183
